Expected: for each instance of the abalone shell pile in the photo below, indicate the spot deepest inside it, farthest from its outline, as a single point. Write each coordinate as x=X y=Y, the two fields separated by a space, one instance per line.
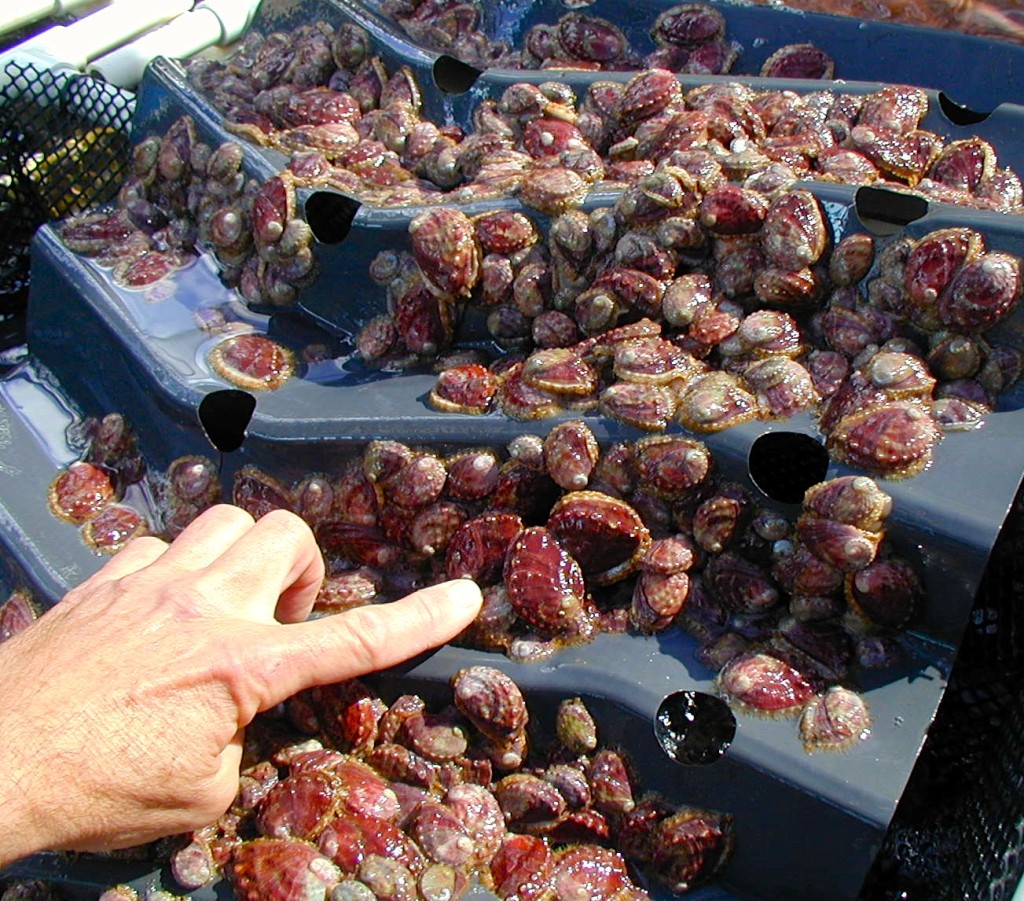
x=698 y=303
x=690 y=38
x=568 y=541
x=349 y=123
x=353 y=796
x=183 y=197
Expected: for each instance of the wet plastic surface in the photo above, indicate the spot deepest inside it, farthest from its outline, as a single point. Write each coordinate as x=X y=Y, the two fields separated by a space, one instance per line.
x=808 y=826
x=847 y=797
x=145 y=357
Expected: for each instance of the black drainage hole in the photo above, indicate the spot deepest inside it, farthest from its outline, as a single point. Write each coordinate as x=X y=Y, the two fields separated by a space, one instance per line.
x=785 y=464
x=884 y=212
x=224 y=416
x=330 y=215
x=693 y=727
x=959 y=114
x=453 y=76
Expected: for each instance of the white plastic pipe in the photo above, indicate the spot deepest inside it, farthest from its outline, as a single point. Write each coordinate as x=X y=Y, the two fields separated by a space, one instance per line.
x=95 y=34
x=16 y=13
x=211 y=23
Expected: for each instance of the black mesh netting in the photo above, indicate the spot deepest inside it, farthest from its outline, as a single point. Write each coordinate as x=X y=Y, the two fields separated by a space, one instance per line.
x=63 y=149
x=958 y=832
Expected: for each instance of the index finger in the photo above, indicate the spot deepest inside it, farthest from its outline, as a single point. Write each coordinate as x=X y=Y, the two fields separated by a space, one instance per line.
x=359 y=641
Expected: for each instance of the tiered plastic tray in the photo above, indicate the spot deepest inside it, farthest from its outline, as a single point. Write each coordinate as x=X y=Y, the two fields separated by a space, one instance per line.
x=808 y=826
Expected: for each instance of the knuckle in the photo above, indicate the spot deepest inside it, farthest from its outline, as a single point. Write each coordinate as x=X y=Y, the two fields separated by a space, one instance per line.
x=227 y=514
x=143 y=545
x=290 y=525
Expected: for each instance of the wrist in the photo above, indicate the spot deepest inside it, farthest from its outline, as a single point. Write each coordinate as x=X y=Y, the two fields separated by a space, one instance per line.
x=23 y=831
x=21 y=834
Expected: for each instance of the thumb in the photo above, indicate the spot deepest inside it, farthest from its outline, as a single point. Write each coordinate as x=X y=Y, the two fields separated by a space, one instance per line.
x=364 y=639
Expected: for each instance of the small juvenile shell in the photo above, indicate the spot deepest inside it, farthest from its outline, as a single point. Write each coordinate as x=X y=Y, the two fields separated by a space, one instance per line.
x=984 y=291
x=590 y=871
x=611 y=783
x=553 y=191
x=575 y=726
x=559 y=370
x=570 y=454
x=647 y=407
x=472 y=474
x=795 y=234
x=417 y=482
x=258 y=492
x=16 y=613
x=648 y=93
x=469 y=388
x=590 y=38
x=529 y=803
x=803 y=574
x=782 y=386
x=657 y=599
x=851 y=499
x=733 y=210
x=721 y=518
x=604 y=534
x=477 y=809
x=252 y=361
x=761 y=683
x=964 y=164
x=841 y=545
x=886 y=592
x=688 y=25
x=545 y=584
x=504 y=231
x=440 y=835
x=478 y=547
x=80 y=492
x=445 y=247
x=299 y=807
x=281 y=868
x=522 y=868
x=835 y=720
x=113 y=527
x=348 y=589
x=652 y=361
x=523 y=401
x=490 y=700
x=715 y=401
x=740 y=585
x=798 y=61
x=672 y=554
x=670 y=466
x=851 y=259
x=788 y=289
x=893 y=440
x=690 y=846
x=931 y=266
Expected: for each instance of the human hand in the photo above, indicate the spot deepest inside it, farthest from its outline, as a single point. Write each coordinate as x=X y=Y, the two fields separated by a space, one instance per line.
x=122 y=709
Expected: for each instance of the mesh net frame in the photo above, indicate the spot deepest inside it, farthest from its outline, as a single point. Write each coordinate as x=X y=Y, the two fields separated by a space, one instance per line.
x=958 y=830
x=64 y=149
